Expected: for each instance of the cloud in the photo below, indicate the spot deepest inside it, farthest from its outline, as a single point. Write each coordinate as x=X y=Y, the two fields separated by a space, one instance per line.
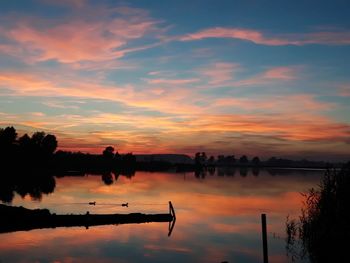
x=288 y=104
x=284 y=132
x=79 y=39
x=38 y=114
x=271 y=75
x=258 y=37
x=68 y=3
x=344 y=90
x=237 y=33
x=283 y=73
x=61 y=104
x=178 y=100
x=219 y=72
x=172 y=81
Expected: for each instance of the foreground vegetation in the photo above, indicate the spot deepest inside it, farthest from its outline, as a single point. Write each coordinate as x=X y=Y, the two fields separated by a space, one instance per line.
x=322 y=232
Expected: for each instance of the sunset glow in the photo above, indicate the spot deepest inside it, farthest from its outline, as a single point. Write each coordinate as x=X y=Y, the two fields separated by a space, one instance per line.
x=172 y=77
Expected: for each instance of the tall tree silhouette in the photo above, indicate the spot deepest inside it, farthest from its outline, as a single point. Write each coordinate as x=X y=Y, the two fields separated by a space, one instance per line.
x=24 y=142
x=108 y=153
x=8 y=136
x=49 y=144
x=37 y=138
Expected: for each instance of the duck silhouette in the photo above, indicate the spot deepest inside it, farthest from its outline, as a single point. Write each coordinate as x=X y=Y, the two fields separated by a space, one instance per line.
x=126 y=204
x=92 y=203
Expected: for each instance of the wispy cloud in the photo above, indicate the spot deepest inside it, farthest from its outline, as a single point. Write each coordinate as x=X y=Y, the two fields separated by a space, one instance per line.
x=60 y=104
x=344 y=90
x=219 y=72
x=288 y=104
x=284 y=73
x=237 y=33
x=172 y=81
x=258 y=37
x=274 y=74
x=167 y=101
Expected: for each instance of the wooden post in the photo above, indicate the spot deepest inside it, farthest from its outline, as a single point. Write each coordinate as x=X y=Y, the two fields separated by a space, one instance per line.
x=171 y=210
x=264 y=238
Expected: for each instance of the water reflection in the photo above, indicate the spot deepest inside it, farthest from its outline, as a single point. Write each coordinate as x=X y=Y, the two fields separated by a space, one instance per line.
x=218 y=217
x=32 y=185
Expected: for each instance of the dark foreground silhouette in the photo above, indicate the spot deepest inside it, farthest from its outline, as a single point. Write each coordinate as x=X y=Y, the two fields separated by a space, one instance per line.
x=322 y=232
x=20 y=218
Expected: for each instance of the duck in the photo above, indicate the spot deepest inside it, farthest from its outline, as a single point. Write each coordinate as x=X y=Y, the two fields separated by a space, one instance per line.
x=92 y=203
x=126 y=204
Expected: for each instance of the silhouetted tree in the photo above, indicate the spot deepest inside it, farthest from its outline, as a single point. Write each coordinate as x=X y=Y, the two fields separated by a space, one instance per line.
x=24 y=142
x=200 y=159
x=230 y=159
x=211 y=160
x=108 y=153
x=6 y=192
x=243 y=159
x=8 y=147
x=204 y=157
x=256 y=161
x=8 y=136
x=49 y=144
x=117 y=156
x=221 y=159
x=197 y=158
x=226 y=160
x=38 y=137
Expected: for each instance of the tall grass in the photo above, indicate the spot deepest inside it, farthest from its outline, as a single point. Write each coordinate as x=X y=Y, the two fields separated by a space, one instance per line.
x=322 y=232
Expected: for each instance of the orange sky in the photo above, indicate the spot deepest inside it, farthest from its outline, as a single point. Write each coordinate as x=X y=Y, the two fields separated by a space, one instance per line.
x=134 y=76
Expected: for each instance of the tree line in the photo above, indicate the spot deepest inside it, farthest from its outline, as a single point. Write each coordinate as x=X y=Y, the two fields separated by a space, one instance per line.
x=222 y=160
x=202 y=160
x=38 y=152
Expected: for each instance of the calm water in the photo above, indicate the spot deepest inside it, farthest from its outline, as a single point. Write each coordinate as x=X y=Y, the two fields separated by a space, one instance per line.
x=218 y=218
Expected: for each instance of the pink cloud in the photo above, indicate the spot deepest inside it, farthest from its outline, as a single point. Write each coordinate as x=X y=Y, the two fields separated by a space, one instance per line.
x=223 y=74
x=294 y=118
x=327 y=38
x=269 y=76
x=172 y=81
x=167 y=100
x=237 y=33
x=257 y=37
x=344 y=90
x=283 y=73
x=290 y=104
x=220 y=72
x=78 y=39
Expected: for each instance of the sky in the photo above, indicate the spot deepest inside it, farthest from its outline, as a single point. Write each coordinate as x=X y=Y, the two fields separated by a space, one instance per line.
x=266 y=78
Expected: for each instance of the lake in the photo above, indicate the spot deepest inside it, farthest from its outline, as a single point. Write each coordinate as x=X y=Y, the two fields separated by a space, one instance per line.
x=217 y=217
